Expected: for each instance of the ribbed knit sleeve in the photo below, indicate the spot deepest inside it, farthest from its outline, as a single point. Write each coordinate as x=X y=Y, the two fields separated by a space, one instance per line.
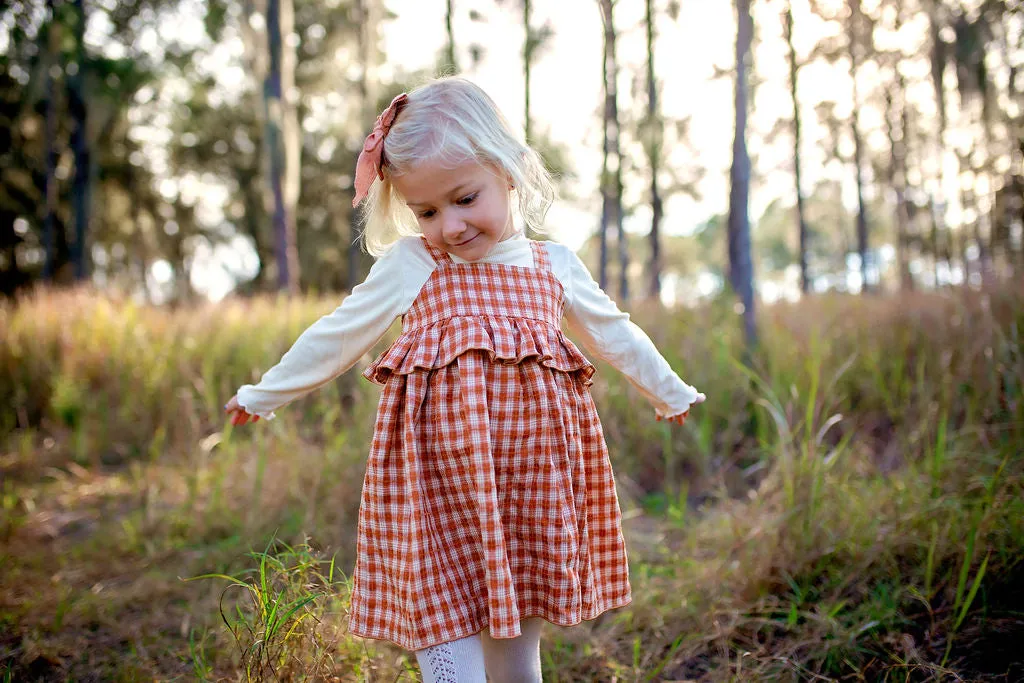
x=609 y=334
x=334 y=343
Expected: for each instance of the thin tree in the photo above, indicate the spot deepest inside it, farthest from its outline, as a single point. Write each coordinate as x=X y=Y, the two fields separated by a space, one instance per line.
x=938 y=58
x=855 y=46
x=450 y=66
x=529 y=45
x=896 y=129
x=741 y=269
x=81 y=186
x=975 y=38
x=50 y=206
x=897 y=125
x=794 y=67
x=367 y=93
x=282 y=141
x=611 y=170
x=653 y=140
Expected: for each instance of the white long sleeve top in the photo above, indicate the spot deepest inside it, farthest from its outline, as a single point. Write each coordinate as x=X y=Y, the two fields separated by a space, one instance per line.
x=335 y=342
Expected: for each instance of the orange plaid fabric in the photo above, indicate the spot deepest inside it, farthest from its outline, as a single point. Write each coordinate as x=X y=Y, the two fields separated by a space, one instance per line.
x=488 y=495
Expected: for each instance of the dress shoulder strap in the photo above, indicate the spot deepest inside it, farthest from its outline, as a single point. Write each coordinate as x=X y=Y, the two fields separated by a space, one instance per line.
x=440 y=255
x=540 y=256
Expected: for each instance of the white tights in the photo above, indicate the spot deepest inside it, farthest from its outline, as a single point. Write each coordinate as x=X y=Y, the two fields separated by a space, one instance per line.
x=506 y=660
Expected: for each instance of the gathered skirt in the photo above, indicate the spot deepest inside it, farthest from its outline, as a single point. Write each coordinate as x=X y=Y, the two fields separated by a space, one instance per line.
x=488 y=498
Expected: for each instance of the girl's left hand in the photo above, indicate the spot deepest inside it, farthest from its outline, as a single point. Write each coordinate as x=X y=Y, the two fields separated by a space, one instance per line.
x=239 y=416
x=678 y=419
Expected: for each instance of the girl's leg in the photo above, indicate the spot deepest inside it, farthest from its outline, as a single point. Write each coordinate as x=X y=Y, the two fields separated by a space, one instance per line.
x=514 y=660
x=460 y=661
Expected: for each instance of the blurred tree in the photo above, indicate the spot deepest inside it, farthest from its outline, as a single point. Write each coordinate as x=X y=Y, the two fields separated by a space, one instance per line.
x=1008 y=227
x=84 y=167
x=535 y=39
x=652 y=137
x=938 y=55
x=683 y=254
x=54 y=239
x=794 y=68
x=529 y=45
x=450 y=65
x=366 y=20
x=659 y=148
x=975 y=38
x=339 y=93
x=87 y=136
x=282 y=144
x=611 y=166
x=859 y=39
x=855 y=44
x=741 y=271
x=898 y=128
x=897 y=110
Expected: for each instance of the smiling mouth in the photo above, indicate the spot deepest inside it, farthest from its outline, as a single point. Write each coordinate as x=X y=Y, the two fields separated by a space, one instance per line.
x=462 y=244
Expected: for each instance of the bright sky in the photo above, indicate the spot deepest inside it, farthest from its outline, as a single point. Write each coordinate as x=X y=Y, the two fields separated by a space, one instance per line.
x=567 y=98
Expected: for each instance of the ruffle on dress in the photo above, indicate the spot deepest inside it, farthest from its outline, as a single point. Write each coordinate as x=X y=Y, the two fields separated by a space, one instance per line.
x=507 y=339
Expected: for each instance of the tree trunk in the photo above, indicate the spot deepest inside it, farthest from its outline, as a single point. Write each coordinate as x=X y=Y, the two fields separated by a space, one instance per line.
x=50 y=148
x=938 y=68
x=248 y=182
x=610 y=147
x=620 y=234
x=858 y=145
x=805 y=285
x=367 y=93
x=451 y=66
x=741 y=270
x=898 y=173
x=654 y=132
x=82 y=185
x=935 y=233
x=983 y=229
x=283 y=179
x=528 y=47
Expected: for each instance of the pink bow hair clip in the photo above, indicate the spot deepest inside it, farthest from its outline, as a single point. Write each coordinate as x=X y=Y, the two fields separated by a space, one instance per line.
x=369 y=163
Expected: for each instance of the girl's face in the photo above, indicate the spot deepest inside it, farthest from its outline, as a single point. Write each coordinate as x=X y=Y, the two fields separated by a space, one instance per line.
x=464 y=210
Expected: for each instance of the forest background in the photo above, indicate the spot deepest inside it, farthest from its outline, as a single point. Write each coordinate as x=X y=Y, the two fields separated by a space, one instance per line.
x=814 y=207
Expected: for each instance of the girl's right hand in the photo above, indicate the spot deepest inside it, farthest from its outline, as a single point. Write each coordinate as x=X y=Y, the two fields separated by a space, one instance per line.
x=681 y=418
x=238 y=414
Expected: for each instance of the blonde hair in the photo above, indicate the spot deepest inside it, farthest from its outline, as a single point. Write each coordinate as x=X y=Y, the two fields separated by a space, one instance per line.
x=449 y=121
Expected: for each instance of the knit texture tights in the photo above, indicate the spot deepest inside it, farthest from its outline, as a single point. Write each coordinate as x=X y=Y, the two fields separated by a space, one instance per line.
x=505 y=660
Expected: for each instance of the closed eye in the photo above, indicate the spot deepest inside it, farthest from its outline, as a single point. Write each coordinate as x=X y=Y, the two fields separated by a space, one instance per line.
x=429 y=213
x=468 y=199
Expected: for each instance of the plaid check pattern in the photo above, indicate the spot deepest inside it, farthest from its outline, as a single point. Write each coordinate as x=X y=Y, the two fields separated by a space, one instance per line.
x=488 y=495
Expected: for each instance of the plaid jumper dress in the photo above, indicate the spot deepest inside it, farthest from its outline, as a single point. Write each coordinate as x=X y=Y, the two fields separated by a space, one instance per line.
x=488 y=495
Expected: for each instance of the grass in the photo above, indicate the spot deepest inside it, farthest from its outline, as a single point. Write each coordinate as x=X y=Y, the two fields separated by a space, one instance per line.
x=848 y=507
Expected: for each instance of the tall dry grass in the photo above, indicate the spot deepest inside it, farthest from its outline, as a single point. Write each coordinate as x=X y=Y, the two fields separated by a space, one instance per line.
x=848 y=506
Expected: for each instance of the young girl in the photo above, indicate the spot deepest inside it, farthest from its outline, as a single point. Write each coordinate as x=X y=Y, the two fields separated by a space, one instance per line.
x=488 y=503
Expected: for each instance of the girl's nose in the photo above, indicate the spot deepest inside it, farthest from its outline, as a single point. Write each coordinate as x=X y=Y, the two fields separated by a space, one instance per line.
x=453 y=226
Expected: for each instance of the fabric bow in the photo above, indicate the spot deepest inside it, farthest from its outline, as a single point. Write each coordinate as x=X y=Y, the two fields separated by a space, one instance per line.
x=369 y=163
